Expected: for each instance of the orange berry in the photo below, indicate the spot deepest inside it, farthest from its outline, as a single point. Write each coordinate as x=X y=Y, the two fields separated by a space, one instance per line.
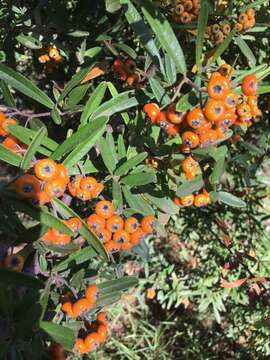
x=102 y=332
x=46 y=169
x=228 y=120
x=121 y=237
x=218 y=87
x=11 y=143
x=102 y=318
x=214 y=110
x=81 y=306
x=243 y=18
x=255 y=111
x=195 y=118
x=91 y=293
x=204 y=127
x=132 y=79
x=126 y=245
x=115 y=223
x=189 y=164
x=43 y=58
x=130 y=66
x=131 y=224
x=187 y=200
x=172 y=130
x=231 y=100
x=27 y=186
x=152 y=111
x=190 y=138
x=92 y=341
x=252 y=100
x=63 y=173
x=74 y=223
x=80 y=347
x=174 y=116
x=104 y=235
x=201 y=200
x=177 y=201
x=74 y=185
x=250 y=13
x=104 y=209
x=96 y=222
x=88 y=183
x=208 y=138
x=239 y=26
x=97 y=190
x=147 y=224
x=41 y=198
x=137 y=236
x=53 y=53
x=84 y=195
x=55 y=187
x=243 y=110
x=185 y=17
x=112 y=246
x=59 y=238
x=249 y=85
x=6 y=122
x=67 y=308
x=118 y=67
x=14 y=262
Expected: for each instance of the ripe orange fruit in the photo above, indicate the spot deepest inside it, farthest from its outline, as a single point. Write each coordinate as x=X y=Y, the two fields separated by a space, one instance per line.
x=131 y=224
x=55 y=187
x=115 y=223
x=104 y=235
x=27 y=186
x=105 y=209
x=195 y=118
x=214 y=110
x=96 y=222
x=112 y=246
x=249 y=85
x=187 y=200
x=218 y=87
x=152 y=111
x=91 y=293
x=92 y=341
x=81 y=306
x=46 y=169
x=190 y=139
x=137 y=236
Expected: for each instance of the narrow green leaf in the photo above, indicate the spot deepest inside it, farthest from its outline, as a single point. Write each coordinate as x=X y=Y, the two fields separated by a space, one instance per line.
x=82 y=149
x=139 y=27
x=159 y=92
x=246 y=50
x=127 y=49
x=163 y=30
x=230 y=199
x=117 y=104
x=59 y=333
x=76 y=95
x=218 y=170
x=29 y=41
x=130 y=164
x=80 y=135
x=13 y=278
x=85 y=230
x=137 y=202
x=56 y=116
x=117 y=195
x=25 y=86
x=139 y=179
x=114 y=92
x=121 y=284
x=93 y=102
x=33 y=147
x=78 y=257
x=7 y=96
x=121 y=147
x=202 y=23
x=164 y=203
x=9 y=156
x=170 y=70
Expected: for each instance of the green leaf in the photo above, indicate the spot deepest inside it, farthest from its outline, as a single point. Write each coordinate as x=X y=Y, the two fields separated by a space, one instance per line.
x=93 y=102
x=187 y=102
x=33 y=147
x=107 y=155
x=59 y=333
x=127 y=49
x=56 y=116
x=230 y=199
x=26 y=135
x=75 y=80
x=130 y=164
x=137 y=202
x=43 y=216
x=246 y=50
x=121 y=147
x=25 y=86
x=76 y=258
x=139 y=179
x=170 y=70
x=84 y=147
x=9 y=156
x=13 y=278
x=76 y=139
x=84 y=231
x=217 y=153
x=164 y=203
x=202 y=23
x=117 y=104
x=114 y=93
x=117 y=195
x=222 y=47
x=7 y=96
x=76 y=95
x=163 y=30
x=218 y=170
x=121 y=284
x=139 y=27
x=159 y=92
x=112 y=5
x=29 y=41
x=191 y=186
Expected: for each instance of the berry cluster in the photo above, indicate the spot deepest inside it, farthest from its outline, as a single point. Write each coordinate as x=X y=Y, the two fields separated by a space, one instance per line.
x=55 y=237
x=190 y=167
x=199 y=199
x=126 y=71
x=95 y=335
x=85 y=188
x=49 y=54
x=186 y=10
x=8 y=140
x=216 y=32
x=246 y=20
x=116 y=233
x=84 y=304
x=46 y=180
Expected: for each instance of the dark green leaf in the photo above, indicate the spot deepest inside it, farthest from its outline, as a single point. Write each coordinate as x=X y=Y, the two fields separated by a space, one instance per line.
x=59 y=333
x=76 y=95
x=112 y=5
x=33 y=147
x=246 y=50
x=130 y=164
x=202 y=23
x=159 y=92
x=13 y=278
x=137 y=202
x=139 y=179
x=93 y=102
x=7 y=96
x=117 y=195
x=170 y=70
x=9 y=156
x=25 y=86
x=77 y=257
x=29 y=41
x=189 y=187
x=121 y=284
x=230 y=199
